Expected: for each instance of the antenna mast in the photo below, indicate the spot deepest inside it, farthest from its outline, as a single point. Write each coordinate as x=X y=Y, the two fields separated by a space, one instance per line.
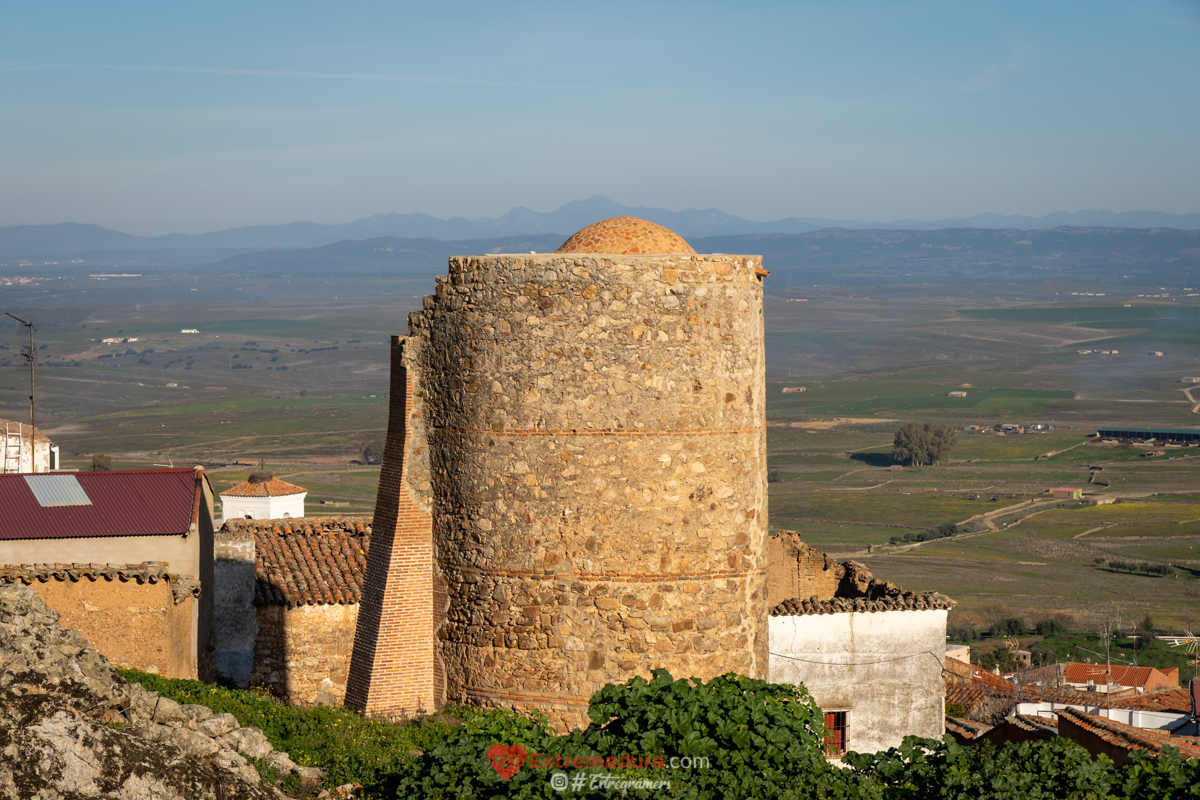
x=31 y=356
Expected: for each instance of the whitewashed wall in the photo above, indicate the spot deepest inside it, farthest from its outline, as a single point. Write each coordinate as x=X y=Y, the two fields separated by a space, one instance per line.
x=883 y=667
x=289 y=506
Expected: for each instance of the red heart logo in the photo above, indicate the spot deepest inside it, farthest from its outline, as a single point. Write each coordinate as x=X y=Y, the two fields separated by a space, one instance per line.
x=506 y=761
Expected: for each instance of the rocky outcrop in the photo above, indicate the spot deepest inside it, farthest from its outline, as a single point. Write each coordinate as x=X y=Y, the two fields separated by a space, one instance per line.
x=70 y=726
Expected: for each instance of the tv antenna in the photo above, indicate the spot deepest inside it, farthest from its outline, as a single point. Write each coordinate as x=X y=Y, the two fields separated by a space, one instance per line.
x=31 y=357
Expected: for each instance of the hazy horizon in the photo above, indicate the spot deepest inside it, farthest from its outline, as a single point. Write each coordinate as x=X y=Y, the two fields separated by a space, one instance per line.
x=152 y=119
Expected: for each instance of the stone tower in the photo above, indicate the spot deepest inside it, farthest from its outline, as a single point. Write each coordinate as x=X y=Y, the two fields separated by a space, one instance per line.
x=574 y=483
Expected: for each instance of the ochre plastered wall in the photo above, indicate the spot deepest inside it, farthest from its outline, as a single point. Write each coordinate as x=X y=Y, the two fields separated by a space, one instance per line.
x=589 y=432
x=132 y=624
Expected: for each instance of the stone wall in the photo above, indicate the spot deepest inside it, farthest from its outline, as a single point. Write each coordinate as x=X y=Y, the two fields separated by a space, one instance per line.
x=797 y=570
x=302 y=654
x=883 y=667
x=588 y=432
x=132 y=624
x=234 y=620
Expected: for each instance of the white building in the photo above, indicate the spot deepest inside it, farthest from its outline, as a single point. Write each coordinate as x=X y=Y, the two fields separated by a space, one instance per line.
x=873 y=666
x=263 y=496
x=26 y=450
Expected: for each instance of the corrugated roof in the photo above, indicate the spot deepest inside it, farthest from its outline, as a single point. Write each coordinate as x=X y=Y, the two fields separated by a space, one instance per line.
x=57 y=490
x=123 y=503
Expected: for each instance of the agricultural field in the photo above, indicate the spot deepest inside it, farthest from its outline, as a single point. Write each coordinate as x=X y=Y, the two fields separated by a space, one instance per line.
x=291 y=372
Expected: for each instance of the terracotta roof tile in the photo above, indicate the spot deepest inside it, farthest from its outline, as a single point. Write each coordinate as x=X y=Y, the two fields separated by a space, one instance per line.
x=1164 y=700
x=272 y=488
x=307 y=561
x=1128 y=737
x=625 y=236
x=966 y=728
x=905 y=601
x=1121 y=675
x=145 y=572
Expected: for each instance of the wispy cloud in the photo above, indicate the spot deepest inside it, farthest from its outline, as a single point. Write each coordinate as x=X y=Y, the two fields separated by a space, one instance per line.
x=989 y=77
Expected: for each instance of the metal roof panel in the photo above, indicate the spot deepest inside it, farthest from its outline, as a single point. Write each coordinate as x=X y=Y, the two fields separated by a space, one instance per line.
x=123 y=503
x=57 y=490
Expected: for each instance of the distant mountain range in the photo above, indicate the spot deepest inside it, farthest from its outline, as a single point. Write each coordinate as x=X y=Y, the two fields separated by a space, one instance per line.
x=70 y=238
x=1129 y=256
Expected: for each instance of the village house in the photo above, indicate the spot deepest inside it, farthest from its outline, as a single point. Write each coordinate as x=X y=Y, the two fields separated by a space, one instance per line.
x=869 y=653
x=263 y=496
x=125 y=557
x=26 y=449
x=287 y=604
x=1101 y=678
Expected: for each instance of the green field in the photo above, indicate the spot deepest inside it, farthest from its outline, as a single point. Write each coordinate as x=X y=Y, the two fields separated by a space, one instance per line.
x=870 y=360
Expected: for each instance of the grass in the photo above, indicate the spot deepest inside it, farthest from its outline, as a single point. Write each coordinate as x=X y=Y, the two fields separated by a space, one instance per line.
x=343 y=744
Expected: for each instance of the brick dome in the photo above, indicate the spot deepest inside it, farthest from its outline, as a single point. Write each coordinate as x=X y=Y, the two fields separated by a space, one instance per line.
x=625 y=236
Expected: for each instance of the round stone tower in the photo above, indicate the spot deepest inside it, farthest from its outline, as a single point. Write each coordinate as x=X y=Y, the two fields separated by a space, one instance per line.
x=588 y=426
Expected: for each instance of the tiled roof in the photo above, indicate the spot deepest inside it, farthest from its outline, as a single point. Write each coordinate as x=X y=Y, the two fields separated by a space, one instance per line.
x=906 y=601
x=1162 y=700
x=307 y=561
x=145 y=572
x=966 y=728
x=1128 y=737
x=985 y=686
x=625 y=236
x=67 y=505
x=1042 y=726
x=1121 y=675
x=271 y=488
x=20 y=429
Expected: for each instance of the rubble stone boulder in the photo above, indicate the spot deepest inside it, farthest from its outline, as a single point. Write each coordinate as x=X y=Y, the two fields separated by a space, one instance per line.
x=72 y=727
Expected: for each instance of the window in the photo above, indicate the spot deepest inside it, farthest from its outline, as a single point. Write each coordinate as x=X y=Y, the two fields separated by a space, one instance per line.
x=835 y=733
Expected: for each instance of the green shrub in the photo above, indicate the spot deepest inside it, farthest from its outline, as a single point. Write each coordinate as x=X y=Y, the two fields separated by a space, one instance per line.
x=1054 y=769
x=339 y=741
x=760 y=740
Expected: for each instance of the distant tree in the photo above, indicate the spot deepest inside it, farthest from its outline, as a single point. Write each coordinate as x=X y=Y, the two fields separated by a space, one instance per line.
x=1047 y=627
x=1147 y=624
x=1012 y=626
x=372 y=452
x=923 y=443
x=101 y=462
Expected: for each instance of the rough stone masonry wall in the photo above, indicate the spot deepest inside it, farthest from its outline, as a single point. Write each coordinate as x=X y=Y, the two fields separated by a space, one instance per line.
x=233 y=604
x=303 y=653
x=798 y=570
x=596 y=463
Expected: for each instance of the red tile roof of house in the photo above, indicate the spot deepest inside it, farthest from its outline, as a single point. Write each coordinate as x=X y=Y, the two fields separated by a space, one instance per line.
x=1128 y=737
x=1121 y=675
x=65 y=505
x=905 y=601
x=263 y=485
x=307 y=561
x=966 y=728
x=21 y=429
x=146 y=572
x=1162 y=700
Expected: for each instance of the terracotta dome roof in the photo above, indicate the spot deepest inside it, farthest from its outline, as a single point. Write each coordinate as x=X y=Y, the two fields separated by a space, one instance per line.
x=625 y=236
x=258 y=486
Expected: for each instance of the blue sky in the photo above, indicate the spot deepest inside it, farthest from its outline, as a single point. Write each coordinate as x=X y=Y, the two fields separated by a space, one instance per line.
x=160 y=117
